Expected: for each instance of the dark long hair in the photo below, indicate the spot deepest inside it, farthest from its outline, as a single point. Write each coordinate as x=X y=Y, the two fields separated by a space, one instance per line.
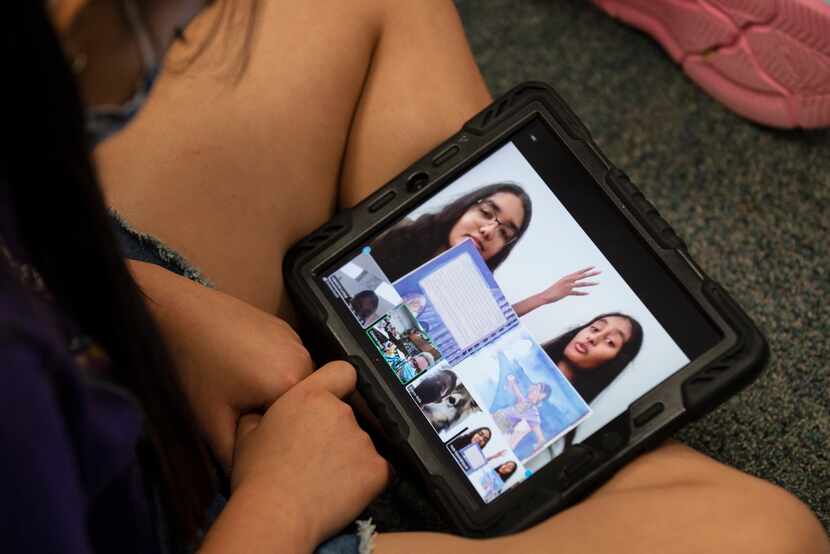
x=504 y=477
x=467 y=438
x=64 y=228
x=592 y=382
x=409 y=244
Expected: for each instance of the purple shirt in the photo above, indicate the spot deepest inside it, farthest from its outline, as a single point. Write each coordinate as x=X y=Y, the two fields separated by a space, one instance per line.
x=70 y=478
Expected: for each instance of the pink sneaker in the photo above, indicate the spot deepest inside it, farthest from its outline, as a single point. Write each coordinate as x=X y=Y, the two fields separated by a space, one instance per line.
x=768 y=60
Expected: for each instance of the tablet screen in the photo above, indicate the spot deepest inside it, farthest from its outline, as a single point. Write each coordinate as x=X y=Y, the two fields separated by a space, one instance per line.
x=519 y=310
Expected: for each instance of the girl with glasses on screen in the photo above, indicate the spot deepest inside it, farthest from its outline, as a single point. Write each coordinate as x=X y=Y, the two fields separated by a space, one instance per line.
x=494 y=217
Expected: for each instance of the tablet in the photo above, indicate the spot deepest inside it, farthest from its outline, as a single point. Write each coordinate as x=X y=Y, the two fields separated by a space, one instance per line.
x=522 y=320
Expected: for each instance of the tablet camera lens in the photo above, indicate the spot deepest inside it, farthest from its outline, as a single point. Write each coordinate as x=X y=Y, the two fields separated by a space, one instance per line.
x=417 y=181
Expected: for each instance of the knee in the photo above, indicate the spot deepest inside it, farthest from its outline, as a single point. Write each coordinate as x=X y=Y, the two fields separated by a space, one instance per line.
x=771 y=520
x=725 y=507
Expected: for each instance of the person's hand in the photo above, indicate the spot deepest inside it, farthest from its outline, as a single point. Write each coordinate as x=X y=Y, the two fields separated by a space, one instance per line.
x=569 y=285
x=511 y=378
x=307 y=456
x=232 y=358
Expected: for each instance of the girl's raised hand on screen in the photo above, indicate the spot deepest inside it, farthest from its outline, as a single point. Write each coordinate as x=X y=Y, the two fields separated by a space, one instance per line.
x=570 y=285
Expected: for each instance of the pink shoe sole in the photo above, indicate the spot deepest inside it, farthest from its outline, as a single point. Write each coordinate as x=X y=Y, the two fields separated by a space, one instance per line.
x=768 y=60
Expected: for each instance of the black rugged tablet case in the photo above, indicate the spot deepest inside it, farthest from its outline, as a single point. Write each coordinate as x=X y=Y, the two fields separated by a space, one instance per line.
x=691 y=392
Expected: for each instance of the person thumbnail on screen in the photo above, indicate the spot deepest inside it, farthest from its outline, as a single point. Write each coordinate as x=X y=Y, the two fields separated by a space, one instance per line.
x=494 y=217
x=593 y=354
x=364 y=289
x=495 y=478
x=403 y=344
x=529 y=398
x=523 y=416
x=475 y=448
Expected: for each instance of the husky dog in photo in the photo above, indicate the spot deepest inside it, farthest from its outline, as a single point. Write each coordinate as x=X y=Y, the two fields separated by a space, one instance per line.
x=450 y=409
x=435 y=386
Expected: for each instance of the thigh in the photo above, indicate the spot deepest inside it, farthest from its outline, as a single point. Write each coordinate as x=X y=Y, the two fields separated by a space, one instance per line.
x=422 y=86
x=231 y=171
x=332 y=102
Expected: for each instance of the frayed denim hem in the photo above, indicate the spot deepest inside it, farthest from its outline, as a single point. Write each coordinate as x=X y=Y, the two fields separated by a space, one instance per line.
x=366 y=536
x=159 y=253
x=360 y=542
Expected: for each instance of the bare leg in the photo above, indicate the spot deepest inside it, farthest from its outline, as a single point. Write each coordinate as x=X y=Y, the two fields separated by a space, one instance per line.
x=422 y=86
x=673 y=500
x=232 y=175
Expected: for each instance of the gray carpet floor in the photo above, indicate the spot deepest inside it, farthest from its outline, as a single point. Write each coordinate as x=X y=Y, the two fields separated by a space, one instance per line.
x=751 y=202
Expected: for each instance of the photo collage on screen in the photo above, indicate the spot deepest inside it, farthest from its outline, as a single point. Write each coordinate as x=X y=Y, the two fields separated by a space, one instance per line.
x=482 y=382
x=508 y=328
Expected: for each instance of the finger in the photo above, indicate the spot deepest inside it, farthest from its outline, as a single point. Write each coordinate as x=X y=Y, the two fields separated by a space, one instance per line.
x=586 y=284
x=586 y=274
x=577 y=293
x=246 y=424
x=580 y=271
x=339 y=378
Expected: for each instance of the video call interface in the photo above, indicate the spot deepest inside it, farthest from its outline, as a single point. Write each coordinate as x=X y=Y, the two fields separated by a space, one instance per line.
x=505 y=323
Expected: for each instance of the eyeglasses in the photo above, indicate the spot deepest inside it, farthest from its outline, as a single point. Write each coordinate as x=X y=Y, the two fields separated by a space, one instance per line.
x=487 y=210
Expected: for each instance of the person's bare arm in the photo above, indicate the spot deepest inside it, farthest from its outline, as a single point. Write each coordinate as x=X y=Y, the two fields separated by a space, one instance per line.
x=514 y=388
x=496 y=455
x=568 y=285
x=232 y=358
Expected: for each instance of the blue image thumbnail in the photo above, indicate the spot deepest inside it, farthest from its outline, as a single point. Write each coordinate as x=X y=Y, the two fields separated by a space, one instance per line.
x=414 y=296
x=532 y=403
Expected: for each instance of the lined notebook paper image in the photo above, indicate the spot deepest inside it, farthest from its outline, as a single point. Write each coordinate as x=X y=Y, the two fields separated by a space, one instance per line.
x=457 y=301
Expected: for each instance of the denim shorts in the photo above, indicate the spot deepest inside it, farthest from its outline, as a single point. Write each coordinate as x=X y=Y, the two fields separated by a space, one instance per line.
x=359 y=542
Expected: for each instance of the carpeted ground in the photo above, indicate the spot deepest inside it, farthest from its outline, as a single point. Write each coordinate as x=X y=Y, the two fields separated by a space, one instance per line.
x=752 y=203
